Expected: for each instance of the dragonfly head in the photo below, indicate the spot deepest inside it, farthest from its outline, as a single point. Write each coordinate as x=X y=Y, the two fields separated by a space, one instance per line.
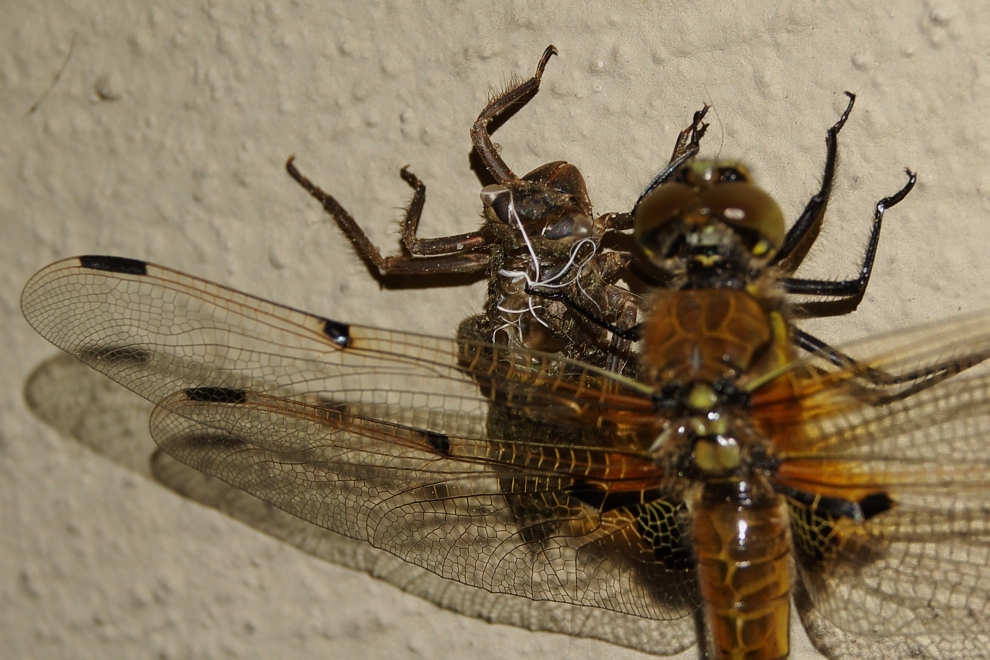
x=709 y=219
x=550 y=202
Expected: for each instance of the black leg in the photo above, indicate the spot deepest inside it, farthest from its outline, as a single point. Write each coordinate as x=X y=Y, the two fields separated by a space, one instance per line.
x=922 y=378
x=628 y=334
x=812 y=213
x=687 y=147
x=856 y=287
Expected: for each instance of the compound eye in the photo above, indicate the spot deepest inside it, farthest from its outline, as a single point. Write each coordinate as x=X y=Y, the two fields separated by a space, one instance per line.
x=733 y=174
x=571 y=225
x=654 y=225
x=751 y=212
x=499 y=199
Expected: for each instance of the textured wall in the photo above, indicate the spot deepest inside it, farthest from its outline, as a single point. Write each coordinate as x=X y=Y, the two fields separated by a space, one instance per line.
x=165 y=138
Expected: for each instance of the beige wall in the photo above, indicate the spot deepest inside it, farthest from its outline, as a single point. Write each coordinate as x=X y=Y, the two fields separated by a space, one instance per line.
x=165 y=138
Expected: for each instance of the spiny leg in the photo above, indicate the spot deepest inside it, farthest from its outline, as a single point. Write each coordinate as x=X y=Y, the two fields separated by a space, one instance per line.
x=620 y=348
x=854 y=288
x=627 y=334
x=422 y=260
x=479 y=132
x=424 y=247
x=812 y=214
x=687 y=147
x=922 y=378
x=689 y=140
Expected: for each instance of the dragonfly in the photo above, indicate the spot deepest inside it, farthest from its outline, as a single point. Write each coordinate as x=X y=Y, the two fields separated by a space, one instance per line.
x=513 y=472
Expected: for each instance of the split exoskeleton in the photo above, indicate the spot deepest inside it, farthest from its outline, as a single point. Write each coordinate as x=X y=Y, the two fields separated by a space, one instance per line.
x=539 y=232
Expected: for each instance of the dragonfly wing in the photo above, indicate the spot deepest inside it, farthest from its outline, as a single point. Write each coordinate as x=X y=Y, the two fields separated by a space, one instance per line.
x=886 y=465
x=647 y=635
x=157 y=331
x=448 y=505
x=838 y=644
x=88 y=407
x=374 y=434
x=832 y=397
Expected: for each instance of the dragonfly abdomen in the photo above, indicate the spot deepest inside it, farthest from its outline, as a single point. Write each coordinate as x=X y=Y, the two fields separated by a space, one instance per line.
x=742 y=541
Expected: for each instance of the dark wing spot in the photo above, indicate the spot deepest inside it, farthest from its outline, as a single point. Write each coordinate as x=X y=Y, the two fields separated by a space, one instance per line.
x=597 y=497
x=216 y=395
x=871 y=505
x=590 y=494
x=439 y=442
x=114 y=264
x=339 y=333
x=875 y=503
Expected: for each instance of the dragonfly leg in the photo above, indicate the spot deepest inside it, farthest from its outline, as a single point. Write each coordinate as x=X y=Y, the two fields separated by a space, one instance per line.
x=687 y=146
x=919 y=379
x=812 y=215
x=853 y=288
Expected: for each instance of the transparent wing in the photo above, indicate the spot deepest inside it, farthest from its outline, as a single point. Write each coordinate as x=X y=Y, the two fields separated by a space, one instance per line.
x=647 y=635
x=838 y=644
x=108 y=419
x=466 y=509
x=157 y=331
x=380 y=435
x=839 y=401
x=887 y=464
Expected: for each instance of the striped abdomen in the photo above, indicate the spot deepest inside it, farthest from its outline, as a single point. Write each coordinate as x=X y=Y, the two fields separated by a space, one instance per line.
x=742 y=541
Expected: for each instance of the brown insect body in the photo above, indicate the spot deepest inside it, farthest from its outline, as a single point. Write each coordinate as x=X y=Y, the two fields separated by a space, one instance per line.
x=742 y=544
x=542 y=228
x=682 y=482
x=720 y=322
x=704 y=335
x=704 y=339
x=723 y=323
x=539 y=231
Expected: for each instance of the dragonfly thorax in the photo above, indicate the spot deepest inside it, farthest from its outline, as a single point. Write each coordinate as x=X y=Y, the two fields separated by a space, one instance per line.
x=709 y=437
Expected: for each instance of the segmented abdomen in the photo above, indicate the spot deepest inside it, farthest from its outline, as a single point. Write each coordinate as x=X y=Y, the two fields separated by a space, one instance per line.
x=742 y=549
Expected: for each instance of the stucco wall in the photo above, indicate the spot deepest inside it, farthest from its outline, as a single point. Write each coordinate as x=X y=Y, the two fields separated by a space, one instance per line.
x=165 y=138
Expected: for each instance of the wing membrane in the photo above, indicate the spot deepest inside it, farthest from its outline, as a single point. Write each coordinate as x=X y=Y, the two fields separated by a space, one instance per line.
x=111 y=421
x=818 y=406
x=440 y=505
x=900 y=431
x=157 y=331
x=647 y=635
x=375 y=434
